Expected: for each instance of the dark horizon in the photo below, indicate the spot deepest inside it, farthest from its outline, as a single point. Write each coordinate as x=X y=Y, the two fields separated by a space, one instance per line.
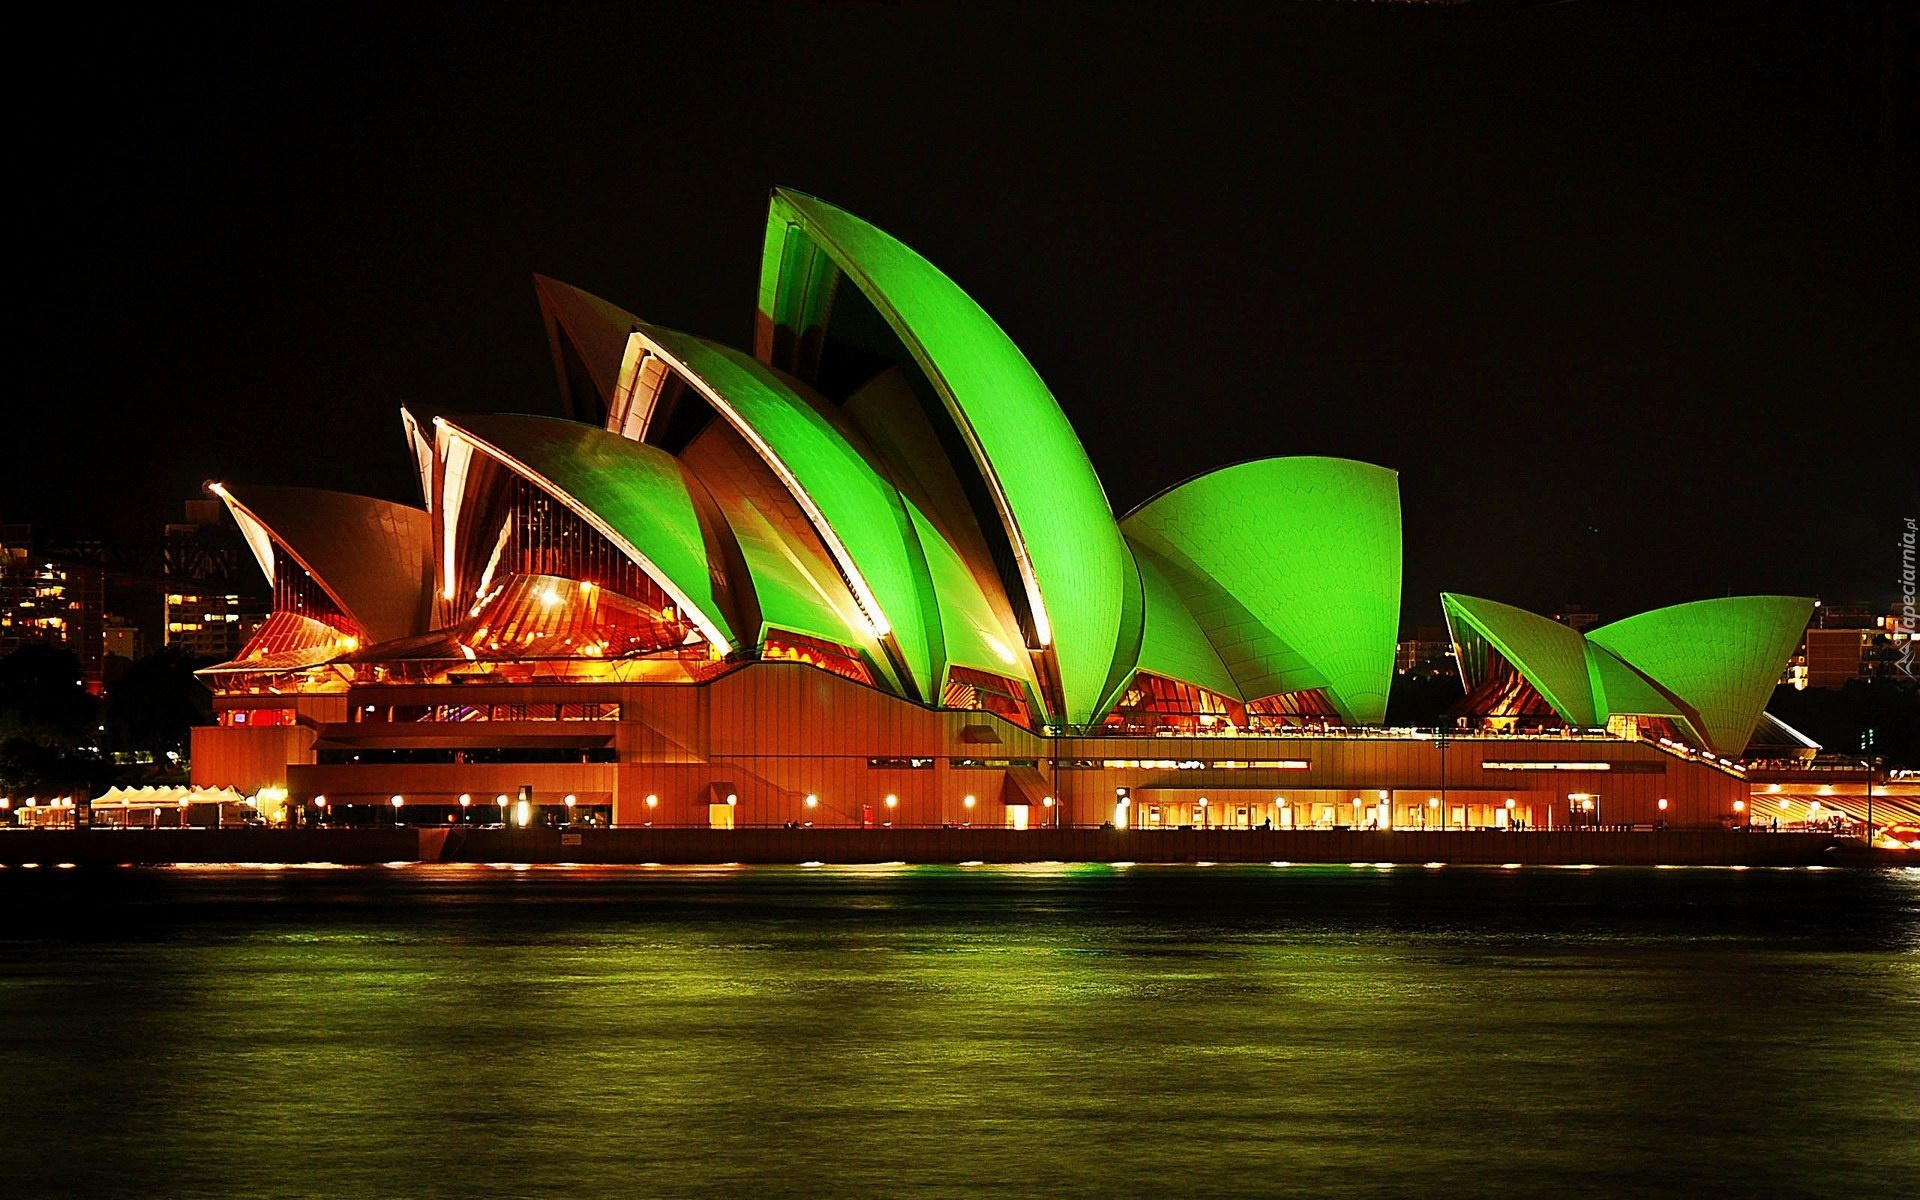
x=1625 y=294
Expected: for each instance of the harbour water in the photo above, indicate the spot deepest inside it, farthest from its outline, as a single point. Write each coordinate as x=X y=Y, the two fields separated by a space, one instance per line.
x=958 y=1031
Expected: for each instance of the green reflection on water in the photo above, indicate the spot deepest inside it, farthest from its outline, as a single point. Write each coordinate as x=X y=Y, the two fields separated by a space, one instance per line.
x=1054 y=1028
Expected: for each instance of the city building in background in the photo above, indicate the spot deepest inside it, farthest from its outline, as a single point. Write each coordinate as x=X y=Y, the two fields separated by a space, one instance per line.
x=1577 y=617
x=1847 y=642
x=192 y=587
x=55 y=603
x=121 y=638
x=205 y=547
x=1428 y=654
x=206 y=624
x=866 y=575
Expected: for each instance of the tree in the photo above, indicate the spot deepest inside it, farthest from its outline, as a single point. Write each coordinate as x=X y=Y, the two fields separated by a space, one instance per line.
x=155 y=704
x=48 y=735
x=41 y=688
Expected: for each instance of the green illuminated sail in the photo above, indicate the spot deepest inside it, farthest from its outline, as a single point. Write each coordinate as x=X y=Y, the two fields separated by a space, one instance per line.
x=1721 y=657
x=1292 y=566
x=857 y=513
x=640 y=497
x=1708 y=666
x=1067 y=558
x=1173 y=644
x=1550 y=656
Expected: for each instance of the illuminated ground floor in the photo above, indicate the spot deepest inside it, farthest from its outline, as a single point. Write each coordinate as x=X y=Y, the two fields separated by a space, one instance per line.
x=775 y=744
x=1834 y=796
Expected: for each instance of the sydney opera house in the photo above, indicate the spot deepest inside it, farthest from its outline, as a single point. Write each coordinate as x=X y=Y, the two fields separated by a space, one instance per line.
x=866 y=575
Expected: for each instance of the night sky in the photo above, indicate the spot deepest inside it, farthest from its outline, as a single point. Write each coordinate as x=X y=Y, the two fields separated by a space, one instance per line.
x=1630 y=297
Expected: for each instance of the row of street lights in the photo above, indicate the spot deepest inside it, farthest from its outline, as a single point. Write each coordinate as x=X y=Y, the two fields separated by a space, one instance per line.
x=522 y=808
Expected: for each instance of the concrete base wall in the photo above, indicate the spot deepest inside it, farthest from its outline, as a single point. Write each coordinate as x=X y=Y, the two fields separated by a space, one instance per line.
x=142 y=847
x=1707 y=847
x=694 y=846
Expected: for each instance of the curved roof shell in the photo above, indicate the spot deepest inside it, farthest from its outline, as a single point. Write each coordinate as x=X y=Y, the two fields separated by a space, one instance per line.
x=1709 y=665
x=913 y=589
x=1172 y=643
x=970 y=632
x=640 y=498
x=1620 y=690
x=977 y=623
x=371 y=557
x=1550 y=656
x=1721 y=657
x=587 y=337
x=1292 y=568
x=1068 y=555
x=857 y=514
x=792 y=582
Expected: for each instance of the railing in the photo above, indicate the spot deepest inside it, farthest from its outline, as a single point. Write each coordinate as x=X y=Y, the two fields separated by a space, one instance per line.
x=1687 y=753
x=1409 y=733
x=1756 y=826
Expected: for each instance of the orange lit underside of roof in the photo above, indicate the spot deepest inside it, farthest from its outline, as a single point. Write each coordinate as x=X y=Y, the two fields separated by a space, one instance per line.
x=1156 y=702
x=545 y=616
x=815 y=652
x=290 y=642
x=983 y=691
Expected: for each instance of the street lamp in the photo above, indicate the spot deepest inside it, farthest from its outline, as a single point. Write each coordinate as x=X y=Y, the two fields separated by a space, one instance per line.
x=1053 y=814
x=570 y=801
x=893 y=802
x=653 y=802
x=1867 y=763
x=1582 y=802
x=968 y=802
x=1433 y=805
x=397 y=802
x=501 y=800
x=466 y=802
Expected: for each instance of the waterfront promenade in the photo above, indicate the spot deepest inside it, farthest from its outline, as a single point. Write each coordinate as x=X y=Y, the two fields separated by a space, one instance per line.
x=478 y=844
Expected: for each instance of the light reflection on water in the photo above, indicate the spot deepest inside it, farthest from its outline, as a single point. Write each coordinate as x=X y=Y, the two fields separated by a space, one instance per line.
x=1055 y=1028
